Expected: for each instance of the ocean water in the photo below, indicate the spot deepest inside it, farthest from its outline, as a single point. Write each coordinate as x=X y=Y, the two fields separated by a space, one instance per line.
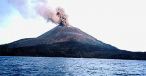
x=59 y=66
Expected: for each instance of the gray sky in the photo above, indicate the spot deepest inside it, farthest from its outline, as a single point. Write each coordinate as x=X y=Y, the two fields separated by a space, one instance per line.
x=121 y=23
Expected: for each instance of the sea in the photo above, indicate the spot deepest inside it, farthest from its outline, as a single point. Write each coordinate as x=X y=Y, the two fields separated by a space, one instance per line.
x=59 y=66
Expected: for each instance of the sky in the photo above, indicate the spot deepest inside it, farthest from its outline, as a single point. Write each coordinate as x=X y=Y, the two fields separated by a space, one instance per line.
x=121 y=23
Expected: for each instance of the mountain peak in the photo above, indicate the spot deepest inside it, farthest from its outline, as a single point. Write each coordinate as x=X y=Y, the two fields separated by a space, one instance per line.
x=67 y=33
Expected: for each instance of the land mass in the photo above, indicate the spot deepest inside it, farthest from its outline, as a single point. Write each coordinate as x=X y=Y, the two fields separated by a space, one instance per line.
x=67 y=41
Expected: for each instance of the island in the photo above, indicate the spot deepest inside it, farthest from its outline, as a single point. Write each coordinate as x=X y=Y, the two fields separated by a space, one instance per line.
x=67 y=41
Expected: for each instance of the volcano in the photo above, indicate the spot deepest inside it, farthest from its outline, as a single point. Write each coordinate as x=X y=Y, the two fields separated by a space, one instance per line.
x=62 y=34
x=66 y=41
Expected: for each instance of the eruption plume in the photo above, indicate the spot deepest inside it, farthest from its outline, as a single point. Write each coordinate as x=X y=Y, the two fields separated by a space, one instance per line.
x=58 y=16
x=27 y=8
x=62 y=16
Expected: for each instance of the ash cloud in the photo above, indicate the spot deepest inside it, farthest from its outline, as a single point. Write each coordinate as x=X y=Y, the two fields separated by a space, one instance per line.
x=34 y=8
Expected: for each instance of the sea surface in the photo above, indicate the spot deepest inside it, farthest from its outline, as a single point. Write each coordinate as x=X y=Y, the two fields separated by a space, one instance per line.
x=59 y=66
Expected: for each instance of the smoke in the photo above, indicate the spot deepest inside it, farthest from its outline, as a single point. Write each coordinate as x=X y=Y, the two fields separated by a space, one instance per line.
x=47 y=12
x=34 y=8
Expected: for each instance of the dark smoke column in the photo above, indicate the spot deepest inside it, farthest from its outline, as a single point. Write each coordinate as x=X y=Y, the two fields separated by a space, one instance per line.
x=63 y=20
